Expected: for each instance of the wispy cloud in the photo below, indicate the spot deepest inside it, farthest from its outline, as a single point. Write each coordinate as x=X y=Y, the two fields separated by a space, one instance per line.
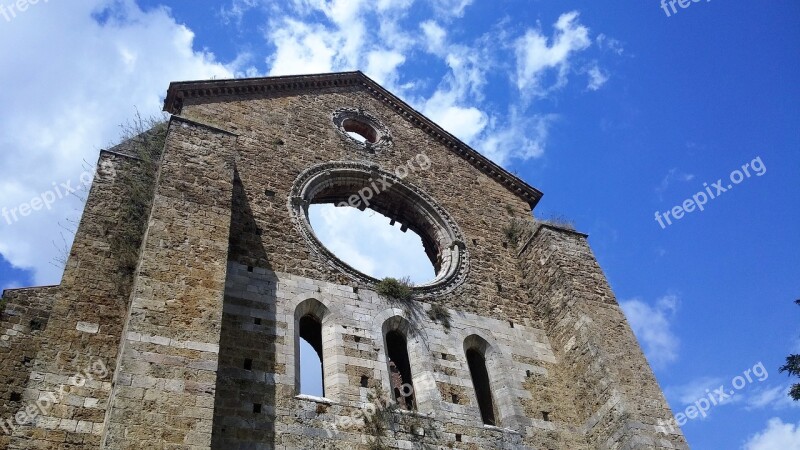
x=674 y=175
x=771 y=397
x=597 y=77
x=652 y=324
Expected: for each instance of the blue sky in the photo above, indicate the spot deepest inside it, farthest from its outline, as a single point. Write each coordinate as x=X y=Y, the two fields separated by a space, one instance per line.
x=613 y=109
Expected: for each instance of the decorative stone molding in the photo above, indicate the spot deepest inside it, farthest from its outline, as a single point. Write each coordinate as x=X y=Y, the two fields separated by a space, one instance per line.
x=377 y=137
x=337 y=182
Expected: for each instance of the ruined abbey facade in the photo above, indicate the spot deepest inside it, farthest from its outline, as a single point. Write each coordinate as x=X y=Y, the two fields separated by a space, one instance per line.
x=195 y=274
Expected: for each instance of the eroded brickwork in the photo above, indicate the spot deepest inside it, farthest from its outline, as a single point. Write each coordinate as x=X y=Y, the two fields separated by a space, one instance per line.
x=22 y=322
x=199 y=335
x=617 y=400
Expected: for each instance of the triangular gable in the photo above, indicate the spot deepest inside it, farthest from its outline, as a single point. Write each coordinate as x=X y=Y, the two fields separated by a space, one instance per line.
x=214 y=90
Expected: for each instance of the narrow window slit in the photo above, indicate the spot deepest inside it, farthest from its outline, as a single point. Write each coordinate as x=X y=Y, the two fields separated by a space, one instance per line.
x=400 y=370
x=480 y=380
x=311 y=358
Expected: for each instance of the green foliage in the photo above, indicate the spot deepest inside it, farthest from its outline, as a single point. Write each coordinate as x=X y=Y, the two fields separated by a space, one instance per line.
x=514 y=230
x=795 y=392
x=143 y=138
x=559 y=221
x=439 y=313
x=395 y=289
x=792 y=367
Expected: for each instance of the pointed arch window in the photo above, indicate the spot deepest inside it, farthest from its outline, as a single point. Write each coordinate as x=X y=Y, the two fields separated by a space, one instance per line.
x=309 y=355
x=400 y=370
x=311 y=367
x=475 y=348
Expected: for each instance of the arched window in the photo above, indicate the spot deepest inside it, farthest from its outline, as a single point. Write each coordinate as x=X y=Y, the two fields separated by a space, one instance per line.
x=400 y=370
x=309 y=317
x=475 y=349
x=311 y=374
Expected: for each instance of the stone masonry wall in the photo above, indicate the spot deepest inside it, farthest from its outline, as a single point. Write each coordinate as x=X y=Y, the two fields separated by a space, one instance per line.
x=164 y=382
x=281 y=136
x=25 y=315
x=616 y=395
x=259 y=325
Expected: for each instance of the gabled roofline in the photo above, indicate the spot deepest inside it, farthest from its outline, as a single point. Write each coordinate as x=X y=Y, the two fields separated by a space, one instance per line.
x=209 y=90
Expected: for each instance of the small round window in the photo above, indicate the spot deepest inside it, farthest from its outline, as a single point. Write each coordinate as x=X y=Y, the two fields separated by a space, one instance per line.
x=361 y=129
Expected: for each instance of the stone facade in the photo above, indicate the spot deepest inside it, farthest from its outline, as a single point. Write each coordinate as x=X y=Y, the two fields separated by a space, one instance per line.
x=196 y=344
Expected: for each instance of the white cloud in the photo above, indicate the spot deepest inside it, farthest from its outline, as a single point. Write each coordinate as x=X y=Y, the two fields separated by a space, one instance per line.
x=682 y=396
x=435 y=37
x=354 y=35
x=776 y=436
x=382 y=66
x=607 y=43
x=774 y=397
x=451 y=7
x=66 y=97
x=465 y=122
x=597 y=77
x=690 y=392
x=518 y=137
x=652 y=326
x=536 y=57
x=303 y=48
x=236 y=11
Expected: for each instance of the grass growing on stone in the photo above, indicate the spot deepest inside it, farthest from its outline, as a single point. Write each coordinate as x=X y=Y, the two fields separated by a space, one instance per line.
x=396 y=289
x=144 y=139
x=559 y=221
x=514 y=230
x=439 y=313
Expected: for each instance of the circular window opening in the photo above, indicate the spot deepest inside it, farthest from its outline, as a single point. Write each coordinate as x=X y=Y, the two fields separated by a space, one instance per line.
x=337 y=196
x=371 y=243
x=360 y=131
x=361 y=127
